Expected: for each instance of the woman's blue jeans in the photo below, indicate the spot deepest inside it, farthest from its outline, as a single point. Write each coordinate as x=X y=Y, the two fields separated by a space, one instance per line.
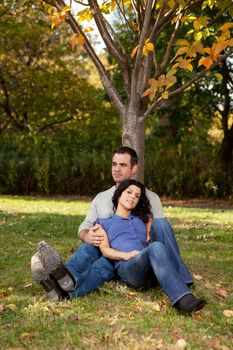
x=91 y=270
x=154 y=266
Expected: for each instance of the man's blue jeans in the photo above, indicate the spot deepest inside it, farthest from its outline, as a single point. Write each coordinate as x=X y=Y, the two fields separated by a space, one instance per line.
x=91 y=270
x=154 y=265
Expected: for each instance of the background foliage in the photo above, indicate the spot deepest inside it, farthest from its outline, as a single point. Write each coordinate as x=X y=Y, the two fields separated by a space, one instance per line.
x=58 y=129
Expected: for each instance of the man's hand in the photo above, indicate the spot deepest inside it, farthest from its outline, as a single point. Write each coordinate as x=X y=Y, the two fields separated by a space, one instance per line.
x=93 y=236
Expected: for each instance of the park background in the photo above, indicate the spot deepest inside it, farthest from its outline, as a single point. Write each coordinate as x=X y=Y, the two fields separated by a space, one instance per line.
x=57 y=133
x=58 y=128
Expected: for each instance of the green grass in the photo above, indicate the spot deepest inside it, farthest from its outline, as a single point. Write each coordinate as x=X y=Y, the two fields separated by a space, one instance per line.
x=115 y=317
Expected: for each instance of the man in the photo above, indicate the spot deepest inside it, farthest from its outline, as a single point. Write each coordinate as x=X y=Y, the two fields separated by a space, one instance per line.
x=87 y=269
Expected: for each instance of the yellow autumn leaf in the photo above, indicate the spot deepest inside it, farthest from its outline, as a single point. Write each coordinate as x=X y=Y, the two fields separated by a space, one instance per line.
x=198 y=36
x=66 y=9
x=219 y=76
x=171 y=3
x=127 y=2
x=181 y=51
x=165 y=95
x=50 y=9
x=171 y=72
x=200 y=22
x=147 y=47
x=84 y=15
x=189 y=67
x=182 y=42
x=88 y=29
x=150 y=46
x=181 y=3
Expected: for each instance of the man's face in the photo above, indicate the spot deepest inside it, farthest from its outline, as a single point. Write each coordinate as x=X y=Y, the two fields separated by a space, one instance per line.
x=121 y=168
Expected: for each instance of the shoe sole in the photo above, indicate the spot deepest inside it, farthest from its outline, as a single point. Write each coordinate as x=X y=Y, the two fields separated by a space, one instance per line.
x=49 y=257
x=54 y=266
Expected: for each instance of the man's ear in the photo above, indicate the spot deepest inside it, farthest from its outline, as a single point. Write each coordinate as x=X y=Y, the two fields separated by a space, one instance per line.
x=134 y=170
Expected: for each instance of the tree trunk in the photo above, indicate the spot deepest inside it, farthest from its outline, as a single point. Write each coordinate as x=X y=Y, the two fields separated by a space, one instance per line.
x=133 y=135
x=226 y=150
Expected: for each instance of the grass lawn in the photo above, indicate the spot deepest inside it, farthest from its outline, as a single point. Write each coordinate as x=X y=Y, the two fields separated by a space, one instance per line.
x=115 y=317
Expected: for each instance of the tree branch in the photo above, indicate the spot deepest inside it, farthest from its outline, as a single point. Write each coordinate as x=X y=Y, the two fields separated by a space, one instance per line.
x=138 y=61
x=105 y=79
x=49 y=126
x=118 y=54
x=170 y=45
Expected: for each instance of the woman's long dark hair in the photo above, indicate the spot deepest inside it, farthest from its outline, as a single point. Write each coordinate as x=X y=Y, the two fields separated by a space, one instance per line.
x=143 y=208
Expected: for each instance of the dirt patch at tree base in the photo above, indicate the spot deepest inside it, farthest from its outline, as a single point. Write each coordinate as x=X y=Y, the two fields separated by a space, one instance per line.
x=198 y=203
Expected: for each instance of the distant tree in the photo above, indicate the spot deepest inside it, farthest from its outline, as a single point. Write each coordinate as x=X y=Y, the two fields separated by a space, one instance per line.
x=224 y=106
x=40 y=87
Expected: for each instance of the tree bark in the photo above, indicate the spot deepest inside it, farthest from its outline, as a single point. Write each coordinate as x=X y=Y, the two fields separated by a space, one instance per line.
x=226 y=150
x=133 y=135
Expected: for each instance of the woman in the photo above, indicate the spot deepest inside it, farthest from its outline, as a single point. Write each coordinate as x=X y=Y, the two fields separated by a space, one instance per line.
x=139 y=264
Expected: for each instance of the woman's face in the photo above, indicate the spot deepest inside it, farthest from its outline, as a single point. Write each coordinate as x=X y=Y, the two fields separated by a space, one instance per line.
x=130 y=197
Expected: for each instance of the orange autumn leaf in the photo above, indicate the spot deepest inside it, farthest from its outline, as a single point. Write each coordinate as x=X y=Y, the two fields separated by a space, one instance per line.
x=133 y=53
x=73 y=41
x=81 y=39
x=146 y=92
x=205 y=61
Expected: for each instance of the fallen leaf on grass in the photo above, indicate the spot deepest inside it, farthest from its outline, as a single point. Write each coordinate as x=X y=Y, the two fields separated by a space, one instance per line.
x=228 y=313
x=197 y=277
x=156 y=307
x=222 y=292
x=12 y=307
x=130 y=294
x=216 y=342
x=181 y=344
x=175 y=333
x=208 y=285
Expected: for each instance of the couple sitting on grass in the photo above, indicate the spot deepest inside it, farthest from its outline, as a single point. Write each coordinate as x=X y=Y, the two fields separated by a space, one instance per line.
x=125 y=245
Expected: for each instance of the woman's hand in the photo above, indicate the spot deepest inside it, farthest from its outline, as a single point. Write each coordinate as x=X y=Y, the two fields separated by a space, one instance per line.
x=131 y=254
